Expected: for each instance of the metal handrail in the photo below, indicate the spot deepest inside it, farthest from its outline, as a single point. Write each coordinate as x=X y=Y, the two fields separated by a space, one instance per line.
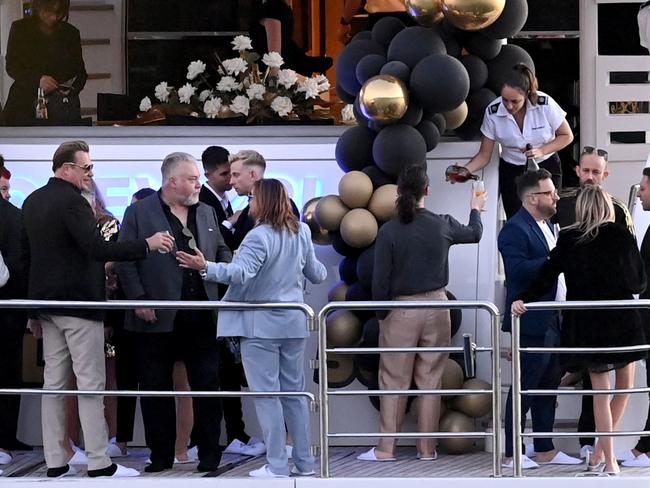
x=323 y=350
x=517 y=392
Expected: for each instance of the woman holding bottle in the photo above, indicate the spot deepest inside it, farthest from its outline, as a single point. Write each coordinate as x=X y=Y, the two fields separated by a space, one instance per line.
x=522 y=116
x=44 y=55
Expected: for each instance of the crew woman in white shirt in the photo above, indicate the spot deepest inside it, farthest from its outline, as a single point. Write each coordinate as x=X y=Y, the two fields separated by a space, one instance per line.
x=521 y=116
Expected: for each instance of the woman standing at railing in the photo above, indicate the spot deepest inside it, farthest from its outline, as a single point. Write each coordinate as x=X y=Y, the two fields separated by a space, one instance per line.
x=411 y=263
x=269 y=267
x=600 y=261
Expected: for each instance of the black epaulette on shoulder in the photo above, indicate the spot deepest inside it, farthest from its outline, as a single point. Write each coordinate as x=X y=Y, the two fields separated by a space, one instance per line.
x=494 y=107
x=542 y=100
x=569 y=192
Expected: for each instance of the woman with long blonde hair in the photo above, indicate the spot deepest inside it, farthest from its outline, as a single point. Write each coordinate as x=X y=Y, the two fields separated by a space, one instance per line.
x=600 y=261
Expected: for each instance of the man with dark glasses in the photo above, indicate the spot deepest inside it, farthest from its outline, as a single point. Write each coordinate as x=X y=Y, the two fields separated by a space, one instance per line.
x=166 y=336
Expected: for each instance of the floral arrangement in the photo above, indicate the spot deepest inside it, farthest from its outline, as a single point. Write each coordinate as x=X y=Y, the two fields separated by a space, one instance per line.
x=242 y=89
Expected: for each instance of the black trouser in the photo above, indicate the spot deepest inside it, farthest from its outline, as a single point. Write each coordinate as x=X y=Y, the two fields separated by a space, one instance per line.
x=126 y=375
x=644 y=442
x=230 y=377
x=509 y=172
x=196 y=345
x=12 y=331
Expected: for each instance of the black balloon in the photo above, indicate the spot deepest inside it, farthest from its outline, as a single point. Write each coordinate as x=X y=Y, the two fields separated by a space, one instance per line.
x=439 y=120
x=430 y=133
x=501 y=66
x=343 y=95
x=483 y=47
x=511 y=20
x=413 y=114
x=397 y=69
x=357 y=293
x=369 y=66
x=348 y=269
x=397 y=146
x=348 y=59
x=362 y=36
x=386 y=29
x=455 y=315
x=365 y=264
x=413 y=44
x=453 y=47
x=477 y=71
x=477 y=102
x=354 y=148
x=377 y=176
x=342 y=247
x=440 y=83
x=368 y=363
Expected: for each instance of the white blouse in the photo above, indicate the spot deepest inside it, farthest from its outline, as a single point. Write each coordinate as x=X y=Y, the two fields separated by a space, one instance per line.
x=540 y=123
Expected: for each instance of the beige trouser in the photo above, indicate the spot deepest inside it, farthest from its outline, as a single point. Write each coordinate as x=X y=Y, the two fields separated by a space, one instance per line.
x=74 y=344
x=411 y=328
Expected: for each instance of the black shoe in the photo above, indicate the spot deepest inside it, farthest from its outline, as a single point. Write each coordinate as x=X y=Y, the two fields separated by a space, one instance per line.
x=158 y=467
x=17 y=445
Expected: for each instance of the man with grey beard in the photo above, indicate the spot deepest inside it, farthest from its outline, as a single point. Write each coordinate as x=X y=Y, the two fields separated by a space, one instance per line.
x=166 y=336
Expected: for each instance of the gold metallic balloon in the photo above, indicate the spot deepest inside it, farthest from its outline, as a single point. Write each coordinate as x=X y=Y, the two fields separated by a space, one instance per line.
x=472 y=15
x=330 y=210
x=355 y=189
x=384 y=98
x=425 y=12
x=454 y=421
x=318 y=234
x=476 y=405
x=456 y=117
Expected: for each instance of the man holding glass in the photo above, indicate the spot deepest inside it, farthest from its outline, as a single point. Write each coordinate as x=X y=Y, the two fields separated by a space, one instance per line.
x=165 y=336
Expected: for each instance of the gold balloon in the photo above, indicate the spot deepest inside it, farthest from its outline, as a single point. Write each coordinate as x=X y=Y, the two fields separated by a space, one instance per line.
x=343 y=329
x=318 y=234
x=355 y=189
x=340 y=370
x=425 y=12
x=330 y=210
x=456 y=117
x=452 y=377
x=359 y=228
x=472 y=15
x=454 y=421
x=384 y=98
x=382 y=202
x=337 y=292
x=476 y=405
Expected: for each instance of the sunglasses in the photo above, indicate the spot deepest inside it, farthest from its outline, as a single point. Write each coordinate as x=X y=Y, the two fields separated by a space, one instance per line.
x=548 y=193
x=86 y=169
x=590 y=150
x=191 y=243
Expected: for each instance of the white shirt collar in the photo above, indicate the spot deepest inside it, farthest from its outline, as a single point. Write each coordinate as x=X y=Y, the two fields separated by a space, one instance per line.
x=223 y=200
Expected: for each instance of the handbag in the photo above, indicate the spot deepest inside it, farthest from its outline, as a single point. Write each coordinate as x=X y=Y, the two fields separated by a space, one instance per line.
x=63 y=109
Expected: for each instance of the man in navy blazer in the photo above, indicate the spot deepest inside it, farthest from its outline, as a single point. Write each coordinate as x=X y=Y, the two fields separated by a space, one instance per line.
x=525 y=243
x=165 y=336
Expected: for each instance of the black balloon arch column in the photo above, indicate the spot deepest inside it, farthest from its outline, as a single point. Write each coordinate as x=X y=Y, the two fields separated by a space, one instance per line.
x=408 y=86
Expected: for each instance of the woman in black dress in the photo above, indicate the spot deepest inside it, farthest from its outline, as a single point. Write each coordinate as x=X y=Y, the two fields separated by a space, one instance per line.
x=44 y=51
x=271 y=30
x=600 y=261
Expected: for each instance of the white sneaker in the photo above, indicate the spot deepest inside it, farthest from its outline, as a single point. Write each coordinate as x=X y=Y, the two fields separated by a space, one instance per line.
x=586 y=451
x=236 y=447
x=265 y=472
x=526 y=463
x=79 y=457
x=625 y=455
x=5 y=457
x=641 y=461
x=295 y=471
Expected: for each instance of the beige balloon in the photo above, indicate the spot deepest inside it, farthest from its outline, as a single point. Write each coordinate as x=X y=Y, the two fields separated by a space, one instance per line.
x=340 y=368
x=456 y=117
x=425 y=12
x=359 y=228
x=355 y=189
x=454 y=421
x=384 y=98
x=330 y=210
x=343 y=329
x=337 y=292
x=472 y=15
x=382 y=202
x=476 y=405
x=452 y=377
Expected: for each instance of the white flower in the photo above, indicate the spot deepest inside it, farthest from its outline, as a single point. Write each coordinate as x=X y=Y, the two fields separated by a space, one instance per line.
x=282 y=106
x=347 y=113
x=287 y=78
x=227 y=83
x=323 y=83
x=203 y=96
x=235 y=66
x=310 y=87
x=195 y=69
x=145 y=104
x=212 y=107
x=256 y=91
x=241 y=43
x=273 y=60
x=240 y=105
x=162 y=91
x=185 y=93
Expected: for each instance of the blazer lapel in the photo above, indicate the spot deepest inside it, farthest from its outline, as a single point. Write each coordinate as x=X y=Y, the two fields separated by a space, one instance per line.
x=535 y=228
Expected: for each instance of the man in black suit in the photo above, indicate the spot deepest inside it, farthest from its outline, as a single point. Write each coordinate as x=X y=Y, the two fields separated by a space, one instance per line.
x=12 y=321
x=216 y=167
x=165 y=336
x=67 y=256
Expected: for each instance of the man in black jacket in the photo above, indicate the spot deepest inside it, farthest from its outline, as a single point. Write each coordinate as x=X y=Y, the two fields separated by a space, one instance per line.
x=12 y=323
x=216 y=167
x=67 y=263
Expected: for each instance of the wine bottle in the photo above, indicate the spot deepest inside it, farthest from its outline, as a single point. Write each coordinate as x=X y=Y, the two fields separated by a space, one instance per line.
x=40 y=110
x=531 y=164
x=459 y=174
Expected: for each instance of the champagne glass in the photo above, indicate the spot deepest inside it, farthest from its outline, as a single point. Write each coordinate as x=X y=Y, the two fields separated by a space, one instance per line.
x=478 y=187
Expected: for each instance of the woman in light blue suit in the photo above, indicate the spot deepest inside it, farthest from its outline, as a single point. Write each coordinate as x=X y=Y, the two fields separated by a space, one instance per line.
x=269 y=267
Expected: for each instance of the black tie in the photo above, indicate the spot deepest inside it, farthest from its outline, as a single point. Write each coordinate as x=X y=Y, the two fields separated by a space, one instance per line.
x=229 y=211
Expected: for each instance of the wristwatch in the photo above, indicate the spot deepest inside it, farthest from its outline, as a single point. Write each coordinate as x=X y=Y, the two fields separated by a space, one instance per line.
x=203 y=273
